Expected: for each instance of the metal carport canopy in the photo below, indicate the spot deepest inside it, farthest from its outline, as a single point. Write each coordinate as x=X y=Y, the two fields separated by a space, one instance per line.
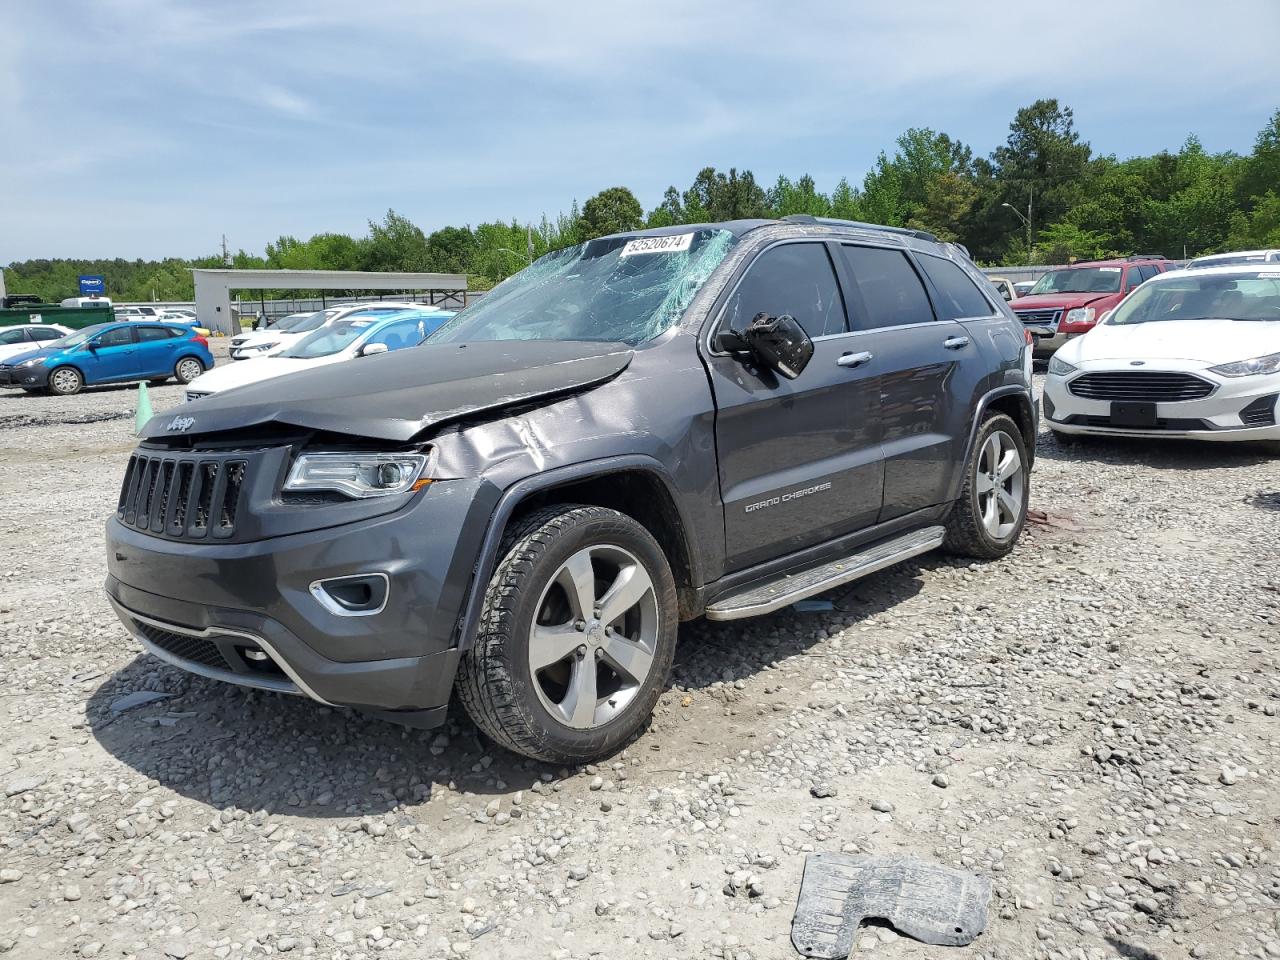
x=213 y=287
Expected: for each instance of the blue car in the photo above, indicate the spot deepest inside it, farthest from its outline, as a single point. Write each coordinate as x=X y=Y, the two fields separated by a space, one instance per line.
x=110 y=353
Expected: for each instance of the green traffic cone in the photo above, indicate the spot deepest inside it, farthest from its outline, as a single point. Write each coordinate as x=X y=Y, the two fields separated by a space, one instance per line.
x=144 y=410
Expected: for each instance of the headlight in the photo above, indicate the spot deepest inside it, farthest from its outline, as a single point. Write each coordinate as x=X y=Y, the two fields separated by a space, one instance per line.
x=33 y=362
x=1059 y=367
x=263 y=346
x=1080 y=315
x=1249 y=368
x=358 y=475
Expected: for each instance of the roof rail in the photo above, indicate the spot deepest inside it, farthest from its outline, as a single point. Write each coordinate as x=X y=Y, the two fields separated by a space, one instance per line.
x=1146 y=256
x=836 y=222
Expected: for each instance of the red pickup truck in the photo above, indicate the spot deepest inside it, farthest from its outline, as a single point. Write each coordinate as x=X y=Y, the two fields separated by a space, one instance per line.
x=1068 y=302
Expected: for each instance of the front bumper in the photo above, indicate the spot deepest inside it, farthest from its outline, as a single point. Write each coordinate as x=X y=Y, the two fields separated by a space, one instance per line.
x=1216 y=417
x=28 y=378
x=246 y=613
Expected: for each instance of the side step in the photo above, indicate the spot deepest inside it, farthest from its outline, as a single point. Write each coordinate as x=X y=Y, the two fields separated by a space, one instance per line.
x=786 y=590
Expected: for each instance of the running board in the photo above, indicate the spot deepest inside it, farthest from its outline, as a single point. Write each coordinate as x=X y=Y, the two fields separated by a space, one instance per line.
x=786 y=590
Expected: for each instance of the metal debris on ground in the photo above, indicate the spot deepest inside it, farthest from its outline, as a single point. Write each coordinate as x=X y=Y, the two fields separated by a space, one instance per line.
x=925 y=901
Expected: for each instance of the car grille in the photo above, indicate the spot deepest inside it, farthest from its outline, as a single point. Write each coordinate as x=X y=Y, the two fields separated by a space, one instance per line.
x=1162 y=423
x=1140 y=385
x=186 y=498
x=1260 y=413
x=1040 y=318
x=186 y=647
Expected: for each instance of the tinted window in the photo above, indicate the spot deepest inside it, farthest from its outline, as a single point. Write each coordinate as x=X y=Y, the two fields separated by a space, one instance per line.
x=154 y=333
x=1148 y=271
x=12 y=336
x=114 y=338
x=892 y=293
x=45 y=334
x=794 y=278
x=958 y=296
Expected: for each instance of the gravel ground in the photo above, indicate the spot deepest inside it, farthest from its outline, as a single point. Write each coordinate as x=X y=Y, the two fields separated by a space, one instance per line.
x=1091 y=722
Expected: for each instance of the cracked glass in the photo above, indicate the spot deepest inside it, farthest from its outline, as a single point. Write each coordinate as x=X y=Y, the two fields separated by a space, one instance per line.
x=604 y=290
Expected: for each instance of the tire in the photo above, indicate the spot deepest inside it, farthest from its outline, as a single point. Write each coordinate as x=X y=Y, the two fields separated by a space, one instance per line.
x=187 y=369
x=555 y=712
x=65 y=381
x=973 y=529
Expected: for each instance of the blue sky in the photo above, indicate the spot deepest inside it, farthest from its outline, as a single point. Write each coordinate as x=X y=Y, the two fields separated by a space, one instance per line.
x=144 y=128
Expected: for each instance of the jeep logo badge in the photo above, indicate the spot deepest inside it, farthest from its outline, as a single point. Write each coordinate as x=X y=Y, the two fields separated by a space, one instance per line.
x=181 y=424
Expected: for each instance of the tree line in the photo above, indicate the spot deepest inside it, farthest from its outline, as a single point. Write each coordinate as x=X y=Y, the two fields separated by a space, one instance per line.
x=1042 y=196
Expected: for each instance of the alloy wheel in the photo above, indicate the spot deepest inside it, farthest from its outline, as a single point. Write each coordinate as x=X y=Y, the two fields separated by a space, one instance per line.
x=594 y=636
x=999 y=485
x=189 y=369
x=66 y=381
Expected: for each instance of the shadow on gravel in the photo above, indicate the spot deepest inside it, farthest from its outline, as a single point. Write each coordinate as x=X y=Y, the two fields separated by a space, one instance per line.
x=227 y=746
x=1159 y=454
x=1265 y=500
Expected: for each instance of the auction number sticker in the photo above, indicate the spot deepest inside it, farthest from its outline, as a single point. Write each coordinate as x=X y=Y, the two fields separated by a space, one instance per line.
x=1109 y=269
x=673 y=244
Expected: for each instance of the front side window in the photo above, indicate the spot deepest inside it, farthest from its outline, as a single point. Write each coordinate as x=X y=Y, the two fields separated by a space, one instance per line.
x=794 y=278
x=612 y=290
x=12 y=336
x=1080 y=280
x=116 y=337
x=892 y=293
x=958 y=296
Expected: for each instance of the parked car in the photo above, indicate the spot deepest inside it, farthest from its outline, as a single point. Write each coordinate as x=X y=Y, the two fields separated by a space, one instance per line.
x=1244 y=257
x=1023 y=287
x=1005 y=287
x=715 y=421
x=359 y=335
x=131 y=313
x=26 y=337
x=110 y=353
x=272 y=340
x=1193 y=354
x=77 y=303
x=1068 y=302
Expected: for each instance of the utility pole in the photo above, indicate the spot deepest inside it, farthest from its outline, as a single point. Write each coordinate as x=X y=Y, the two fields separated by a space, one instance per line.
x=226 y=257
x=529 y=240
x=1026 y=220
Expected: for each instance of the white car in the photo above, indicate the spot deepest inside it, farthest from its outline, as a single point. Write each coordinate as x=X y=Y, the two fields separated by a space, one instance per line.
x=277 y=338
x=1252 y=258
x=1191 y=353
x=27 y=337
x=360 y=335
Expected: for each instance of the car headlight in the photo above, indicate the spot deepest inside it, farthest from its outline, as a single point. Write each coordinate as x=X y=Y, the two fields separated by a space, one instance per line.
x=358 y=475
x=1059 y=367
x=263 y=346
x=1249 y=368
x=33 y=362
x=1080 y=315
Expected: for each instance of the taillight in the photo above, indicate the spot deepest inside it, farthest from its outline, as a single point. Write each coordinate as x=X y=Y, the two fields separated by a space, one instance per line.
x=1026 y=335
x=205 y=343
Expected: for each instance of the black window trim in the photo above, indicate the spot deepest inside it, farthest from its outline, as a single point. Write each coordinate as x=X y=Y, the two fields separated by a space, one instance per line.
x=721 y=305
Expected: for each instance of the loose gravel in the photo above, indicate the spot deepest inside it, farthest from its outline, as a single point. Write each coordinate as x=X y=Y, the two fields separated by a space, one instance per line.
x=1091 y=722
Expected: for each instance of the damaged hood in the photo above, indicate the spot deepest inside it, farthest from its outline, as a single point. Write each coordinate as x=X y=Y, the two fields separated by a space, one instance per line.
x=395 y=396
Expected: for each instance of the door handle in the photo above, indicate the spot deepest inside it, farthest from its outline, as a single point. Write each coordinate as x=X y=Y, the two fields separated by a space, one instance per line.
x=853 y=359
x=955 y=343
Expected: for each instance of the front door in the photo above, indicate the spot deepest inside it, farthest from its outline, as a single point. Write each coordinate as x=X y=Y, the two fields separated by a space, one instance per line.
x=799 y=459
x=109 y=356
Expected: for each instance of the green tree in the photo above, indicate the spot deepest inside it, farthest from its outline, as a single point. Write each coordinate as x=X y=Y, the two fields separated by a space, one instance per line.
x=395 y=245
x=451 y=250
x=615 y=210
x=1043 y=163
x=786 y=198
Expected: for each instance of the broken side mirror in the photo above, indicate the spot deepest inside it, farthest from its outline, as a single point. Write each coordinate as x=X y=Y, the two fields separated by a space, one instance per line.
x=780 y=342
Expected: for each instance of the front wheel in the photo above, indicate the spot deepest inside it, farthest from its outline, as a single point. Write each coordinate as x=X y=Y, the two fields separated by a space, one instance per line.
x=987 y=519
x=65 y=381
x=576 y=637
x=187 y=369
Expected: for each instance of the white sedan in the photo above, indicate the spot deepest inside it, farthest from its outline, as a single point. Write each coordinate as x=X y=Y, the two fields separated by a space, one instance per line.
x=284 y=332
x=28 y=337
x=1191 y=353
x=360 y=335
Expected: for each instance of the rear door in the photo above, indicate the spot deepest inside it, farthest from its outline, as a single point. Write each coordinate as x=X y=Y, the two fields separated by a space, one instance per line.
x=923 y=362
x=157 y=351
x=799 y=459
x=109 y=356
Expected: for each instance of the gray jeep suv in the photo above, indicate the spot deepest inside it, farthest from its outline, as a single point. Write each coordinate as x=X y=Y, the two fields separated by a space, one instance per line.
x=713 y=420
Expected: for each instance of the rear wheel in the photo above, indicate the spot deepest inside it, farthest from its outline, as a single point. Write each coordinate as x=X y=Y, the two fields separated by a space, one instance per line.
x=987 y=519
x=65 y=381
x=187 y=369
x=576 y=636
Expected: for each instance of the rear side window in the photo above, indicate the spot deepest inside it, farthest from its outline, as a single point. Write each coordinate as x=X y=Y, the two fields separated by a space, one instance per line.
x=148 y=334
x=892 y=293
x=12 y=336
x=794 y=278
x=46 y=334
x=958 y=296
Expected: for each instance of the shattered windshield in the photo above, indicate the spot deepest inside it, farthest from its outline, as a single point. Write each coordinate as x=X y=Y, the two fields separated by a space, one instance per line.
x=612 y=290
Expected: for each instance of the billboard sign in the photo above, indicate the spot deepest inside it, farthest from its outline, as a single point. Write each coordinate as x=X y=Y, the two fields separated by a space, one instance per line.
x=93 y=286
